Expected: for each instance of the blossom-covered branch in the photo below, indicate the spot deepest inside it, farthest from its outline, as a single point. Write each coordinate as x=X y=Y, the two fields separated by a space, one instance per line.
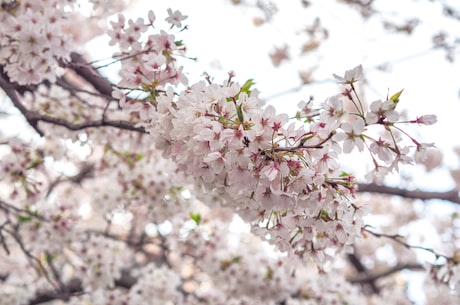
x=33 y=117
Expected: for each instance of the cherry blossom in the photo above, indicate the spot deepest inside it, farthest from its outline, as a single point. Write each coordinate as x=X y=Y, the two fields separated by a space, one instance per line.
x=175 y=18
x=428 y=119
x=350 y=76
x=382 y=111
x=154 y=190
x=352 y=135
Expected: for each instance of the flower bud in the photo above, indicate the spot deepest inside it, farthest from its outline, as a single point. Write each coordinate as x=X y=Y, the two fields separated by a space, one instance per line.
x=427 y=119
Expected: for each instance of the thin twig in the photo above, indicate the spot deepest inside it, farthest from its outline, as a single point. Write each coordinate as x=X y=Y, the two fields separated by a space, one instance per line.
x=2 y=238
x=41 y=268
x=399 y=240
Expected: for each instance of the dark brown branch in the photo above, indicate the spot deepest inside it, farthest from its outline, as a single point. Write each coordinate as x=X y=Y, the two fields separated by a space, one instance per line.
x=84 y=125
x=86 y=171
x=362 y=272
x=88 y=73
x=74 y=287
x=33 y=117
x=3 y=241
x=371 y=278
x=10 y=90
x=451 y=195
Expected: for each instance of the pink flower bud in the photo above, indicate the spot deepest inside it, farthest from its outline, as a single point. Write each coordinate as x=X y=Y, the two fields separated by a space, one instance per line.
x=427 y=119
x=151 y=16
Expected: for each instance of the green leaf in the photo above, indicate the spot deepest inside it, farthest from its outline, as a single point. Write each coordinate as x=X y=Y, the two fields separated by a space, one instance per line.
x=175 y=190
x=35 y=163
x=324 y=215
x=395 y=97
x=196 y=217
x=247 y=86
x=239 y=112
x=24 y=218
x=269 y=273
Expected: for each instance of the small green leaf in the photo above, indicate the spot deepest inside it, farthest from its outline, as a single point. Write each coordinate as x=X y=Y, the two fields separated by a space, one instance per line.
x=247 y=86
x=196 y=217
x=239 y=112
x=175 y=190
x=35 y=163
x=179 y=43
x=24 y=218
x=395 y=97
x=269 y=273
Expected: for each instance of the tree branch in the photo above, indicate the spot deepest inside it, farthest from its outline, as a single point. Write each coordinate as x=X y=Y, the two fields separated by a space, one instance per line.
x=10 y=90
x=88 y=73
x=399 y=239
x=451 y=195
x=74 y=287
x=363 y=278
x=33 y=118
x=362 y=272
x=84 y=125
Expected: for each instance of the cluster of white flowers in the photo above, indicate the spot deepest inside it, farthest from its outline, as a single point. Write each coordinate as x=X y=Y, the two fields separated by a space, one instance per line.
x=99 y=260
x=159 y=284
x=155 y=194
x=282 y=177
x=149 y=64
x=17 y=288
x=32 y=40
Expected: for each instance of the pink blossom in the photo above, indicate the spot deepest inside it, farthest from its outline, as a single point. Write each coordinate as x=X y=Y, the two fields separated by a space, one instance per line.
x=380 y=111
x=175 y=18
x=351 y=76
x=352 y=135
x=427 y=119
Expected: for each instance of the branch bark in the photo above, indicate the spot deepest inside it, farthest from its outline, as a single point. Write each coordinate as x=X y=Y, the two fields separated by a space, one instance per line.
x=10 y=90
x=33 y=117
x=84 y=125
x=363 y=272
x=78 y=64
x=88 y=73
x=451 y=196
x=371 y=278
x=74 y=287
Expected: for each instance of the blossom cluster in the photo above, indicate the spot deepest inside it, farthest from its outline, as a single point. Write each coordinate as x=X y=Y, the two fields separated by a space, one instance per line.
x=225 y=153
x=33 y=40
x=281 y=176
x=99 y=261
x=148 y=63
x=220 y=267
